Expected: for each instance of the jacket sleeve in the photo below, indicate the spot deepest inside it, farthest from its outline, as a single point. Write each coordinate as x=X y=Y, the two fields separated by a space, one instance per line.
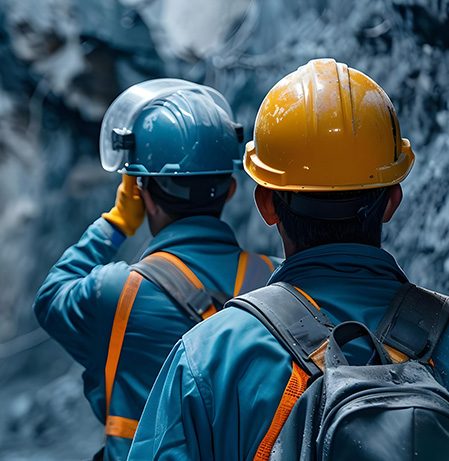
x=175 y=423
x=66 y=305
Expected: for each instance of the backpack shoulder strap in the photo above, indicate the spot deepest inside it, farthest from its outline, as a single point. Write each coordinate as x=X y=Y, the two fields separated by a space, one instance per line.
x=179 y=282
x=293 y=319
x=414 y=322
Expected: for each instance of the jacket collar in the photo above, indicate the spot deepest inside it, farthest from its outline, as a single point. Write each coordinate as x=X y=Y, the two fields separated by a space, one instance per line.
x=192 y=231
x=339 y=261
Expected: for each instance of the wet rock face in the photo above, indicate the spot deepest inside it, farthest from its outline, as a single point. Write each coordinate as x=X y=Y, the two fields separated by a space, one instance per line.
x=37 y=36
x=64 y=61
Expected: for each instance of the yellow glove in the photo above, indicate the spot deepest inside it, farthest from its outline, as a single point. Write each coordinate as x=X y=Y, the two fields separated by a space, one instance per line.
x=129 y=211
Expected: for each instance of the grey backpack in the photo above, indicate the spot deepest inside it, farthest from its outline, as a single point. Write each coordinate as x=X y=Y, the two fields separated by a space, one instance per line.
x=380 y=411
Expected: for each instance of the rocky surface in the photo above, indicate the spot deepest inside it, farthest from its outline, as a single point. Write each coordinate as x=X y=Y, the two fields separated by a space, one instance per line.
x=62 y=64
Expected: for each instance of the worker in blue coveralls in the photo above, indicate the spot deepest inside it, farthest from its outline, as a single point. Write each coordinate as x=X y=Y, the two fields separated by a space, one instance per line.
x=327 y=158
x=176 y=144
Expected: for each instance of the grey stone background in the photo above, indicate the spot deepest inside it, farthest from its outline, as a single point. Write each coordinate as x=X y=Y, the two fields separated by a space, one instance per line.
x=63 y=62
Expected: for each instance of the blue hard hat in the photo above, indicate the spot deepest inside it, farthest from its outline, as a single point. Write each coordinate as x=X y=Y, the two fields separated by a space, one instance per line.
x=168 y=127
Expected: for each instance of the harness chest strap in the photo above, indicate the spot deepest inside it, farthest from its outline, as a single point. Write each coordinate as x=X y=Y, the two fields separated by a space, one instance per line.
x=247 y=270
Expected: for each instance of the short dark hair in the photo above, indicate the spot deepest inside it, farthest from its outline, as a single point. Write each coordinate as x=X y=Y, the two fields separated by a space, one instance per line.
x=206 y=194
x=306 y=232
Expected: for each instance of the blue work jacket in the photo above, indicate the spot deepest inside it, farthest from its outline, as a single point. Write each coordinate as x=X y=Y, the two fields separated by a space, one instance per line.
x=217 y=393
x=77 y=302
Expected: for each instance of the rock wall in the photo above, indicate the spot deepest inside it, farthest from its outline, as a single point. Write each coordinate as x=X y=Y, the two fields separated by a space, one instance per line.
x=63 y=62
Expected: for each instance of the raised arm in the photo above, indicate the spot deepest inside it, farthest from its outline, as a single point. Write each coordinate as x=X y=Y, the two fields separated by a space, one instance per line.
x=67 y=304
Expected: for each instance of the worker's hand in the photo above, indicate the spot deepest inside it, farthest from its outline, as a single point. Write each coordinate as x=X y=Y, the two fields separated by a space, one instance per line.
x=129 y=210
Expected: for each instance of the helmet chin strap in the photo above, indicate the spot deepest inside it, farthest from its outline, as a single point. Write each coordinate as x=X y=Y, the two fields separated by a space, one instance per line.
x=364 y=212
x=338 y=209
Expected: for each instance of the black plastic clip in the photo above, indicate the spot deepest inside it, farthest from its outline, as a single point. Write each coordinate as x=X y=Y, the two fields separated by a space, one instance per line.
x=239 y=131
x=122 y=139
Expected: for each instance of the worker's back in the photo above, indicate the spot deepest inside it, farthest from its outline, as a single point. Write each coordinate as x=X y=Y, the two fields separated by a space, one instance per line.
x=241 y=387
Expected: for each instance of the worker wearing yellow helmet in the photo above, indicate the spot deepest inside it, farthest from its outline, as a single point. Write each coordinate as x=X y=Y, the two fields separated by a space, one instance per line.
x=327 y=157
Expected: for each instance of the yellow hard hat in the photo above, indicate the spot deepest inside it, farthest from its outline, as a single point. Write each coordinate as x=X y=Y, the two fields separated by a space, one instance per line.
x=327 y=127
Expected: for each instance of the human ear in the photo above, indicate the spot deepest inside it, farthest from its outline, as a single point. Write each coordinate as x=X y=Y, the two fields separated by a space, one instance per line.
x=393 y=202
x=264 y=202
x=232 y=189
x=150 y=206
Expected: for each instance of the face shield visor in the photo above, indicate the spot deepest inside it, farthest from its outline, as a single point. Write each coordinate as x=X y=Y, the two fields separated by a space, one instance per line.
x=116 y=136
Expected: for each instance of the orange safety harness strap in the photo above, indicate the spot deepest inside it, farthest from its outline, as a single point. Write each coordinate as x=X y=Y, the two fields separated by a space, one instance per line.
x=156 y=267
x=124 y=306
x=180 y=265
x=241 y=272
x=296 y=385
x=268 y=262
x=119 y=426
x=253 y=271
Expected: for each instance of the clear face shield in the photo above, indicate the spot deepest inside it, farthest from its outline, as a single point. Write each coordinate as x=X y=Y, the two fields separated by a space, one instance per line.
x=116 y=136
